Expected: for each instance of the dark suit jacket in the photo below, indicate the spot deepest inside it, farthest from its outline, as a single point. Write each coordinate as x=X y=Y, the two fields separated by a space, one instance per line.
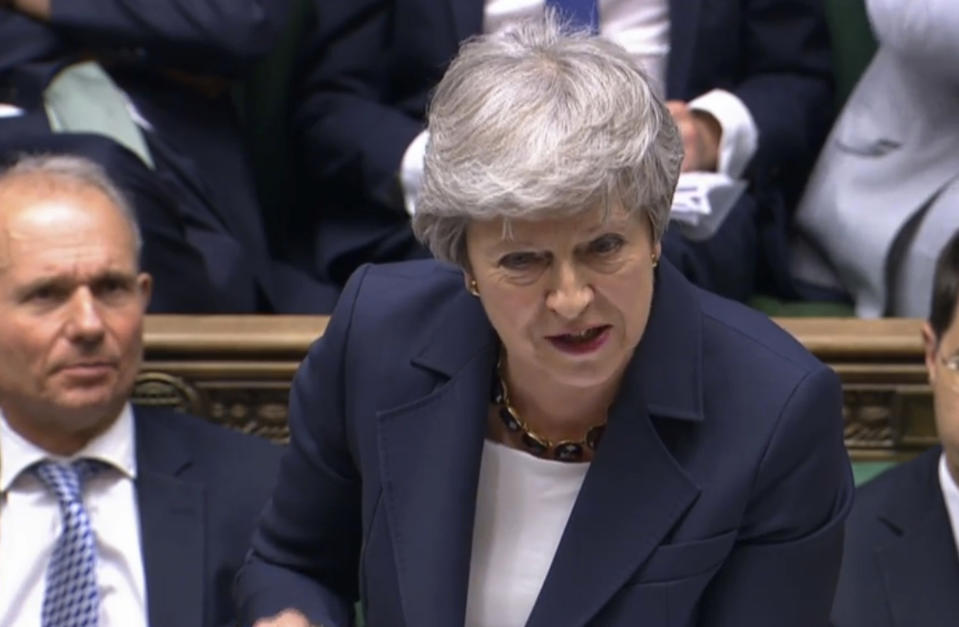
x=200 y=489
x=366 y=86
x=202 y=168
x=716 y=498
x=900 y=567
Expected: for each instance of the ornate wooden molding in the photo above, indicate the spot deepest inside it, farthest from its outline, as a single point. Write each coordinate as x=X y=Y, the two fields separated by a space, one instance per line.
x=236 y=370
x=887 y=399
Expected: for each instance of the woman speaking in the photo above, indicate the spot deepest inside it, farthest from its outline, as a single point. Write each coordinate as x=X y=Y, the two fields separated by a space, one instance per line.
x=550 y=426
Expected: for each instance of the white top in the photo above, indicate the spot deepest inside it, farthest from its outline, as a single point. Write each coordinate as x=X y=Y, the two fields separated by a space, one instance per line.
x=950 y=494
x=642 y=28
x=522 y=505
x=30 y=524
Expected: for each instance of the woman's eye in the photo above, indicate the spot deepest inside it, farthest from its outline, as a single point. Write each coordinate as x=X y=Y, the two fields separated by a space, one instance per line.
x=607 y=244
x=520 y=260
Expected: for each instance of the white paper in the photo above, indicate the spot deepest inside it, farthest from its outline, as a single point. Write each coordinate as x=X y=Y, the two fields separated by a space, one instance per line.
x=702 y=200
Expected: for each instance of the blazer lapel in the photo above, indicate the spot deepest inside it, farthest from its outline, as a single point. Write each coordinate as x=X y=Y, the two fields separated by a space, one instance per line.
x=430 y=452
x=920 y=568
x=683 y=31
x=171 y=527
x=633 y=494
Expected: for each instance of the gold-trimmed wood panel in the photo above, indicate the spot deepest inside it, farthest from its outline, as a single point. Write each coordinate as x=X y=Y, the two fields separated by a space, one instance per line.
x=236 y=370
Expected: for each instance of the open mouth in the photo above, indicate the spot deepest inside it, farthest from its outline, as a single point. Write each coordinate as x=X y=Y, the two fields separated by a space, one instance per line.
x=583 y=341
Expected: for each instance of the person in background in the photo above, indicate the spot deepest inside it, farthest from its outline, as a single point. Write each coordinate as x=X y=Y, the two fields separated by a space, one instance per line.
x=551 y=425
x=146 y=89
x=748 y=83
x=883 y=198
x=901 y=561
x=109 y=514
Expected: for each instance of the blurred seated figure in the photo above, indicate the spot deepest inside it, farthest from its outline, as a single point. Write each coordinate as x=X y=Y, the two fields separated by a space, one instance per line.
x=901 y=561
x=109 y=514
x=155 y=78
x=748 y=83
x=183 y=284
x=884 y=195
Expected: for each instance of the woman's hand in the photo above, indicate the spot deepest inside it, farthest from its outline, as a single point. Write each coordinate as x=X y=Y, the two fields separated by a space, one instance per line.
x=286 y=618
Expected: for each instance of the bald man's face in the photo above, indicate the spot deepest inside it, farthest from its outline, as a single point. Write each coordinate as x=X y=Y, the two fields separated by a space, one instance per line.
x=71 y=312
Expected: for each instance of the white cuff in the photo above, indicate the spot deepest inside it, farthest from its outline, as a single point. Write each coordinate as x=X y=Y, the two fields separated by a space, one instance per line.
x=411 y=171
x=10 y=111
x=739 y=138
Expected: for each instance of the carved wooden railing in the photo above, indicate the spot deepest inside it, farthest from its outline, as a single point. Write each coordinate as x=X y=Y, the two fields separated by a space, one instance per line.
x=236 y=370
x=887 y=404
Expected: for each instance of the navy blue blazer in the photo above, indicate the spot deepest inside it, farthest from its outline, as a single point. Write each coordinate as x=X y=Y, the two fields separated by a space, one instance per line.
x=200 y=489
x=717 y=497
x=366 y=84
x=900 y=566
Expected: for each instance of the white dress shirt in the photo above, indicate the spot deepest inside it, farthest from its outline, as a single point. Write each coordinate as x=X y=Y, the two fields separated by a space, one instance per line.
x=30 y=523
x=950 y=494
x=639 y=26
x=642 y=28
x=522 y=505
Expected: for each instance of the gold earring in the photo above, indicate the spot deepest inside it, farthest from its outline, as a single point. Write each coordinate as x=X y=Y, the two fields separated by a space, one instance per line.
x=655 y=261
x=472 y=287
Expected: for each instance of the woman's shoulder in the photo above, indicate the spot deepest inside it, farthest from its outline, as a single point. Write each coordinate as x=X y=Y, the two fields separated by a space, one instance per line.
x=405 y=304
x=735 y=328
x=406 y=281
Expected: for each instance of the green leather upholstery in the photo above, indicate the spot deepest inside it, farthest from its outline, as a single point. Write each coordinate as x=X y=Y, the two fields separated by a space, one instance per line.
x=865 y=471
x=853 y=43
x=263 y=102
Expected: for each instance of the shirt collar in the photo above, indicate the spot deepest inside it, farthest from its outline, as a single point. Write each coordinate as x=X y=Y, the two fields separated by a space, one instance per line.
x=115 y=446
x=950 y=494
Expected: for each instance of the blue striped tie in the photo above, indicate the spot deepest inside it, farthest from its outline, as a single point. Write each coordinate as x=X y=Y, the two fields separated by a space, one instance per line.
x=71 y=598
x=579 y=13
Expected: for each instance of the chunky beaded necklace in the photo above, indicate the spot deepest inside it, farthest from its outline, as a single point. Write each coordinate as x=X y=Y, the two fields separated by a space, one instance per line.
x=563 y=450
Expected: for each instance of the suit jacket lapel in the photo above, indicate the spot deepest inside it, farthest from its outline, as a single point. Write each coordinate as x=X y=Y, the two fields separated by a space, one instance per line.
x=920 y=568
x=632 y=496
x=171 y=526
x=683 y=30
x=430 y=453
x=634 y=492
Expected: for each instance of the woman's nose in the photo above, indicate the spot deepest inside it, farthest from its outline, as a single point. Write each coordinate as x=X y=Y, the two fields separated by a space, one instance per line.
x=571 y=294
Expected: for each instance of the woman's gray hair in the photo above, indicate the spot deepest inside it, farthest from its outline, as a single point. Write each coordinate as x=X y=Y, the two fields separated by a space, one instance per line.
x=80 y=171
x=538 y=121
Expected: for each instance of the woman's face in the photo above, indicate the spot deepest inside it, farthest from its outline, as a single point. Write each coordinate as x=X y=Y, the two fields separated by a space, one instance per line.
x=570 y=296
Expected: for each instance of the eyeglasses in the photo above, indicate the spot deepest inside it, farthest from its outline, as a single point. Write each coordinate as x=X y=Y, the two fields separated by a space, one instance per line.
x=951 y=372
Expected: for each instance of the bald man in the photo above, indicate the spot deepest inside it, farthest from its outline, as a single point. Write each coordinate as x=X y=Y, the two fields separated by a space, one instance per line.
x=109 y=514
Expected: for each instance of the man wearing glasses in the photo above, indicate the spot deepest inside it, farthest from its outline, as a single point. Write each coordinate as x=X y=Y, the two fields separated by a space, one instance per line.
x=901 y=560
